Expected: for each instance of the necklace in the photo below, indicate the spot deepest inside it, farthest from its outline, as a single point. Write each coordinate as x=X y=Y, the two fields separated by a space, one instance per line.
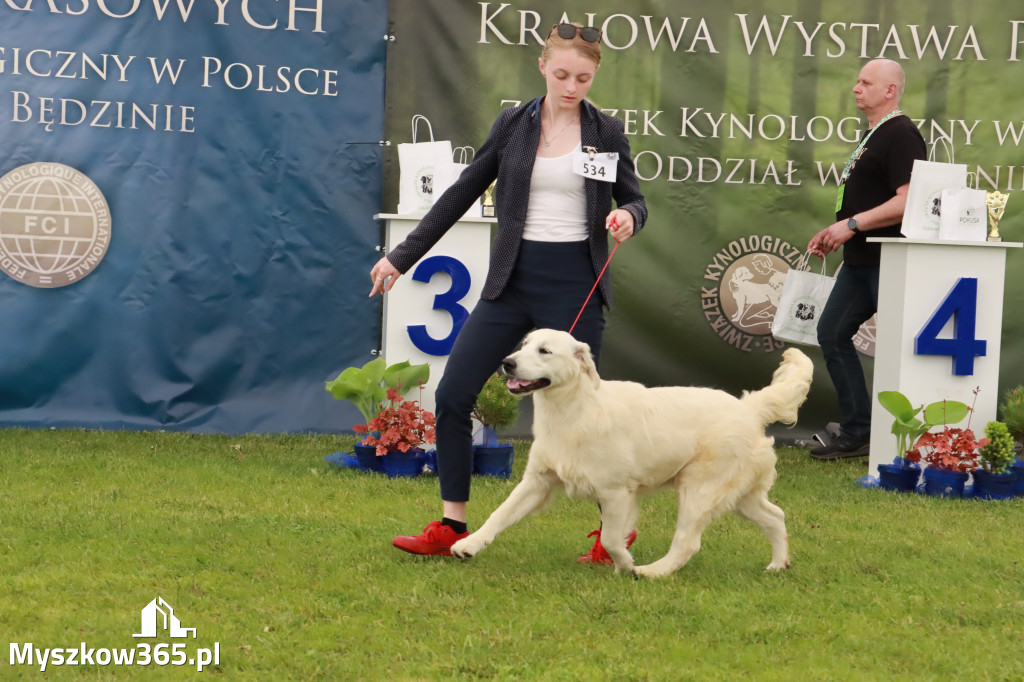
x=848 y=168
x=549 y=140
x=857 y=152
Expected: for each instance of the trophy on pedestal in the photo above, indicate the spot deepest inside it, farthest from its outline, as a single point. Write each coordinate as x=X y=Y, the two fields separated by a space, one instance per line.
x=487 y=205
x=996 y=203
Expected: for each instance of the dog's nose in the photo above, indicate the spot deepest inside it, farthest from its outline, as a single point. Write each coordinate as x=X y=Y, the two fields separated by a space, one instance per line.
x=508 y=365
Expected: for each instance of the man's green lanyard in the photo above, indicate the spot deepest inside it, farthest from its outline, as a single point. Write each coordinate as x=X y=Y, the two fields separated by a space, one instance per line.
x=856 y=155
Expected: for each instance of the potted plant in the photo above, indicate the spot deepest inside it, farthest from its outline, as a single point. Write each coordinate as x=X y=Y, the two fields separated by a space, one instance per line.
x=904 y=473
x=951 y=454
x=494 y=408
x=995 y=478
x=366 y=387
x=397 y=433
x=1011 y=409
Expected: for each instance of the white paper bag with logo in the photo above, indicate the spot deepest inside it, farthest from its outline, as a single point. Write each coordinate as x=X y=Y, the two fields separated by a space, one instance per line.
x=804 y=295
x=924 y=198
x=446 y=177
x=964 y=215
x=419 y=164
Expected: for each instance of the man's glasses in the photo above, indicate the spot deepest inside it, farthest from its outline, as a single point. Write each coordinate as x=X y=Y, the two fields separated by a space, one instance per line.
x=570 y=31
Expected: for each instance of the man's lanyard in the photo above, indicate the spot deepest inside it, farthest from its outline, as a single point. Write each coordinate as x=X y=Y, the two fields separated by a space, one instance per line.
x=856 y=155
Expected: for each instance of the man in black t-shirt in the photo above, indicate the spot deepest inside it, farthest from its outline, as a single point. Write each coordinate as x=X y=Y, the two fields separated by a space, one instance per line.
x=871 y=199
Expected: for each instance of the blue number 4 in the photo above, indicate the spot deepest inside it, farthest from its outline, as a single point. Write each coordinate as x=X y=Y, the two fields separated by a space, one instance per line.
x=961 y=305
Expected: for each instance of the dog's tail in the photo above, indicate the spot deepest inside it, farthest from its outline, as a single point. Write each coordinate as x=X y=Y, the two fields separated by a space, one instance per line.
x=779 y=401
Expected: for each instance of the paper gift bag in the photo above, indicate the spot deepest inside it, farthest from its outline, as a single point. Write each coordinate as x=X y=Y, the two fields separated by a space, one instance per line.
x=446 y=177
x=964 y=215
x=804 y=295
x=420 y=164
x=924 y=199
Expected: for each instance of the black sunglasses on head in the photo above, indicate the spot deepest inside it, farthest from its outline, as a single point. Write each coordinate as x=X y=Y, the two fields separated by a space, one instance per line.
x=570 y=31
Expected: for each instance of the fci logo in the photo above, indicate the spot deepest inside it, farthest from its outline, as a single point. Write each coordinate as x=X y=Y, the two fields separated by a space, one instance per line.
x=54 y=225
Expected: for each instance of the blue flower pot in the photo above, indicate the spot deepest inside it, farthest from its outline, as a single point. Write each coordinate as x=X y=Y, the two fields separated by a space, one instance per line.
x=366 y=456
x=493 y=461
x=398 y=464
x=430 y=461
x=943 y=482
x=1018 y=485
x=900 y=479
x=994 y=486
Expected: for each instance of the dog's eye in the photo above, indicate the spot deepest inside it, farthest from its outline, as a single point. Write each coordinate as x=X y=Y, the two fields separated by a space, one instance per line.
x=543 y=351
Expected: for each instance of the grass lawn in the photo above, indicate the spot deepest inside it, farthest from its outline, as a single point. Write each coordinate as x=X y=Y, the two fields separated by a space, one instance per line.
x=285 y=565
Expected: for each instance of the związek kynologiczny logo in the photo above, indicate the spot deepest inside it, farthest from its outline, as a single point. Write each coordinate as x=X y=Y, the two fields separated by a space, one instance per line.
x=54 y=225
x=745 y=282
x=157 y=616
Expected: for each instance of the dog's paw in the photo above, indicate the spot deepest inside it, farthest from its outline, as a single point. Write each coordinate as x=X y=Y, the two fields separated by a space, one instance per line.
x=648 y=571
x=777 y=567
x=468 y=547
x=624 y=568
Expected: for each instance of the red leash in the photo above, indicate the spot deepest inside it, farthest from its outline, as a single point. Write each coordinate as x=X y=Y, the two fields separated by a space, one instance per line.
x=594 y=287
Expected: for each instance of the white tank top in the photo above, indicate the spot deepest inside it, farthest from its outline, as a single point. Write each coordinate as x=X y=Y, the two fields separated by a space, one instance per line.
x=557 y=211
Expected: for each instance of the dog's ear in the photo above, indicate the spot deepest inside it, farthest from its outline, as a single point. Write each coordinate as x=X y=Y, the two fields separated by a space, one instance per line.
x=586 y=360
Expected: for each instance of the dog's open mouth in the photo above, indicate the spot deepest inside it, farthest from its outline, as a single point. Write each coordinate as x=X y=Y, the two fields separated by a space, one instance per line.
x=521 y=386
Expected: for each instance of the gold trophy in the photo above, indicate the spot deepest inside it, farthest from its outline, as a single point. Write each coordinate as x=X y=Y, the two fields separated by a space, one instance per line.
x=487 y=205
x=996 y=203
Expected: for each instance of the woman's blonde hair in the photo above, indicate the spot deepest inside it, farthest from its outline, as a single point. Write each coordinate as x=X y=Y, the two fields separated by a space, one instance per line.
x=591 y=51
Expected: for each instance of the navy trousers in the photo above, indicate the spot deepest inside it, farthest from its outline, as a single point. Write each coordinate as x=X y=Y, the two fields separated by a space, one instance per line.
x=854 y=299
x=548 y=286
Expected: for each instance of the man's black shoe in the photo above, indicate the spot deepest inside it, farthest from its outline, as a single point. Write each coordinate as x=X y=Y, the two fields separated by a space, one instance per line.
x=841 y=448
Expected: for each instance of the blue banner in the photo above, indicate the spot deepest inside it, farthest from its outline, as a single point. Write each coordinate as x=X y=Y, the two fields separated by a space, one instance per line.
x=187 y=195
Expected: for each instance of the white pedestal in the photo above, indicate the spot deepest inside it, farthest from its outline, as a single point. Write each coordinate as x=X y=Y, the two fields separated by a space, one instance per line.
x=428 y=304
x=916 y=277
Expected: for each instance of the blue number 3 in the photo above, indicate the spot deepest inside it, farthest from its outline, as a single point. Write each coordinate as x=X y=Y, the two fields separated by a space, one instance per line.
x=447 y=301
x=961 y=305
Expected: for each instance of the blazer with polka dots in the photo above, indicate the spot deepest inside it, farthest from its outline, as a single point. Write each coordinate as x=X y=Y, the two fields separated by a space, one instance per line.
x=508 y=156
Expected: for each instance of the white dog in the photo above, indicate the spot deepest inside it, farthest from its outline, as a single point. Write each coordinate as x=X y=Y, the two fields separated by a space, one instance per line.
x=611 y=441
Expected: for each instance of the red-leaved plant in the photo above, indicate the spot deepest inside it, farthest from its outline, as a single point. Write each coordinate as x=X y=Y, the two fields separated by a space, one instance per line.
x=402 y=425
x=952 y=449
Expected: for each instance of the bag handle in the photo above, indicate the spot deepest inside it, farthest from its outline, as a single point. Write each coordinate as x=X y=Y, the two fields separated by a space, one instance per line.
x=946 y=146
x=975 y=185
x=463 y=154
x=415 y=120
x=804 y=263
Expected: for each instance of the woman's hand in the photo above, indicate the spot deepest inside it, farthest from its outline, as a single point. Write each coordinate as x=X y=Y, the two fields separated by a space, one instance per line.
x=384 y=276
x=619 y=224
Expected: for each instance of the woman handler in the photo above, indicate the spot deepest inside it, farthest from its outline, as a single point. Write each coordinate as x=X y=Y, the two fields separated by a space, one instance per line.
x=551 y=243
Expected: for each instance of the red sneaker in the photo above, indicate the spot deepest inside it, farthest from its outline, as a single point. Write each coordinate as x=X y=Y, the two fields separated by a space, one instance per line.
x=435 y=540
x=598 y=554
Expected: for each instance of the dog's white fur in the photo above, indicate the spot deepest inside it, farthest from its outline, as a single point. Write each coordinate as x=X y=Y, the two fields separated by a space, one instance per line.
x=611 y=441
